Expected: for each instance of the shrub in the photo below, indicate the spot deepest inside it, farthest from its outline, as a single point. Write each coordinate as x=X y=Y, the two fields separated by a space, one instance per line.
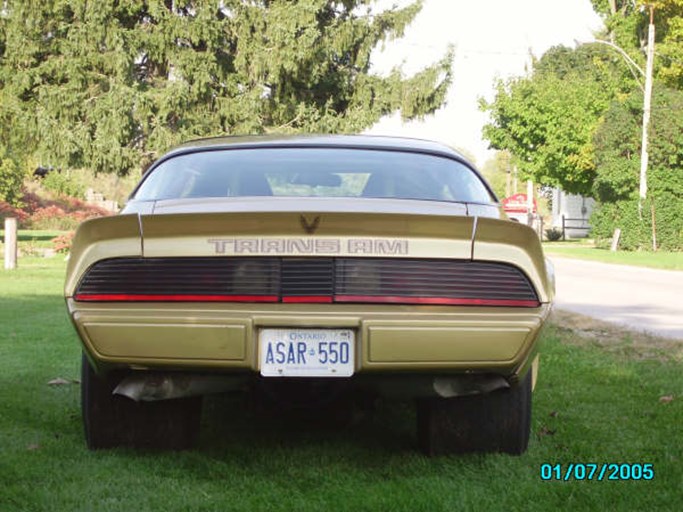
x=62 y=184
x=617 y=146
x=636 y=233
x=51 y=217
x=55 y=217
x=62 y=243
x=553 y=234
x=7 y=210
x=62 y=213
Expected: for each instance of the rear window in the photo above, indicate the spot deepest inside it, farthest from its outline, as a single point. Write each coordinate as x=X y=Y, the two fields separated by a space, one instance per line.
x=313 y=172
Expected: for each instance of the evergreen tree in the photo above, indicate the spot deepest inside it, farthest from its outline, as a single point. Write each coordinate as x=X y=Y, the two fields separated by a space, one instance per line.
x=110 y=85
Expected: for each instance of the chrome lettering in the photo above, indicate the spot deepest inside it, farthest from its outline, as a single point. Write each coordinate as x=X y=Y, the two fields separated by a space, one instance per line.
x=327 y=246
x=274 y=245
x=300 y=246
x=391 y=246
x=370 y=246
x=219 y=244
x=246 y=245
x=360 y=246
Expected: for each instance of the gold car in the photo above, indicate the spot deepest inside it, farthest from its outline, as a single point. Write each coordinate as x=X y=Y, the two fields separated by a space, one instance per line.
x=374 y=264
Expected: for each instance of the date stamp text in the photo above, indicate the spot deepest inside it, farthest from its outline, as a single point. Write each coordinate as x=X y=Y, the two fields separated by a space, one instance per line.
x=603 y=471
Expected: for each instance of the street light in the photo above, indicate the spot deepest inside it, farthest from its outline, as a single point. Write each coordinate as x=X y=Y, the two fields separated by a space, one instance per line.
x=626 y=56
x=647 y=102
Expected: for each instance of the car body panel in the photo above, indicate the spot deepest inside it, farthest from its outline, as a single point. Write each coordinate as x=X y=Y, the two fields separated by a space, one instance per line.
x=223 y=336
x=498 y=240
x=281 y=234
x=390 y=338
x=98 y=239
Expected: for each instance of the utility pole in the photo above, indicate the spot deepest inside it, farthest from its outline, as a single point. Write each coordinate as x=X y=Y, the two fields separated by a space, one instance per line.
x=530 y=203
x=508 y=174
x=647 y=101
x=514 y=180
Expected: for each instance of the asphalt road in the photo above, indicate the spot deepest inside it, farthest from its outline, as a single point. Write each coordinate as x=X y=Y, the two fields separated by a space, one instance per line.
x=640 y=298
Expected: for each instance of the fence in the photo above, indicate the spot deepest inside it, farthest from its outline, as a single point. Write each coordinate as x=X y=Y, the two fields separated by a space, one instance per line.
x=584 y=225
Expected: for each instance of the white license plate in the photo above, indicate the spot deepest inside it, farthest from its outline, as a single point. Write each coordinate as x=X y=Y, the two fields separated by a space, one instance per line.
x=306 y=352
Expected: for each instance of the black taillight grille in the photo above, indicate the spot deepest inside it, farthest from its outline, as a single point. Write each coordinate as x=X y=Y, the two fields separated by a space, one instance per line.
x=432 y=278
x=273 y=279
x=191 y=276
x=307 y=277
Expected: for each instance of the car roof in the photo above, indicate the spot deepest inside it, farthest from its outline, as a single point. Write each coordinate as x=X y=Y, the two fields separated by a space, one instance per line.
x=316 y=140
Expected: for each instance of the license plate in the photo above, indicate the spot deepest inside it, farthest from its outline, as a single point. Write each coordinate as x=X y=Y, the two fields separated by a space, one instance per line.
x=306 y=352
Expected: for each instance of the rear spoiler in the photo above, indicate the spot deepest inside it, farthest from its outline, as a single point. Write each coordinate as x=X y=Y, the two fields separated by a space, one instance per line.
x=403 y=235
x=101 y=238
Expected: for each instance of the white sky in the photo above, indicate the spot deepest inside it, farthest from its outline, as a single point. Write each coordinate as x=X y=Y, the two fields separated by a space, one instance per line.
x=492 y=39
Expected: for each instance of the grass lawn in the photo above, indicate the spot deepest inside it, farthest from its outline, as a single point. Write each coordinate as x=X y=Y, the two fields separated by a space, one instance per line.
x=34 y=235
x=659 y=259
x=30 y=240
x=592 y=405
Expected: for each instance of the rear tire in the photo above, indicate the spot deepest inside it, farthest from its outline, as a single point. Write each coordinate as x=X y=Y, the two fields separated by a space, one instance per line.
x=499 y=421
x=111 y=420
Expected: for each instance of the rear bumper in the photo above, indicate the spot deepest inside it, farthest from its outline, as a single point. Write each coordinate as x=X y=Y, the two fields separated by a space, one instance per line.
x=224 y=337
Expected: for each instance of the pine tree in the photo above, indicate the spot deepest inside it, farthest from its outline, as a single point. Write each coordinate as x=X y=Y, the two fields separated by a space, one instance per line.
x=110 y=85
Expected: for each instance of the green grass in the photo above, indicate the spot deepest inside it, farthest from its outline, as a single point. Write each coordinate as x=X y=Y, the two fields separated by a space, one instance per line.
x=32 y=241
x=590 y=405
x=659 y=259
x=34 y=235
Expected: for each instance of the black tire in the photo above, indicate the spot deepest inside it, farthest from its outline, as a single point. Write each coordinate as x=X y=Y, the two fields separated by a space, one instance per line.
x=499 y=421
x=112 y=420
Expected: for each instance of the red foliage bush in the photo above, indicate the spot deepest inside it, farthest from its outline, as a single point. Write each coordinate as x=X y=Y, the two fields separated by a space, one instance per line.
x=32 y=202
x=60 y=213
x=9 y=211
x=63 y=213
x=62 y=243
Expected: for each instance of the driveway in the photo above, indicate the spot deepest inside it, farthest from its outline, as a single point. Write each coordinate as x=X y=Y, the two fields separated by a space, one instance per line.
x=641 y=298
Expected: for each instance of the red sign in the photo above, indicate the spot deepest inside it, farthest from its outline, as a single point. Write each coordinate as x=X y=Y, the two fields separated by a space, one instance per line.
x=517 y=204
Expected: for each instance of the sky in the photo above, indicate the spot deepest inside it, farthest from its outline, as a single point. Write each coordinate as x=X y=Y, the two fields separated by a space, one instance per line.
x=492 y=39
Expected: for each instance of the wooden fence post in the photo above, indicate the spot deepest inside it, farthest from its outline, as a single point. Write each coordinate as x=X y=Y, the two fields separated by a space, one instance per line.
x=563 y=228
x=10 y=243
x=615 y=239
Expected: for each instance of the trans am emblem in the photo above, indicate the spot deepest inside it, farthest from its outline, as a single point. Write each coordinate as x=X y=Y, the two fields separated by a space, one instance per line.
x=309 y=228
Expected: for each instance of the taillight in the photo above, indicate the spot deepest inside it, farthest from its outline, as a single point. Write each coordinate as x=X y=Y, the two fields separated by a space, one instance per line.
x=308 y=280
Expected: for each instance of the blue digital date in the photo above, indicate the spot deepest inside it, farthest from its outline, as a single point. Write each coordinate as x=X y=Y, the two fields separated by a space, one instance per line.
x=599 y=471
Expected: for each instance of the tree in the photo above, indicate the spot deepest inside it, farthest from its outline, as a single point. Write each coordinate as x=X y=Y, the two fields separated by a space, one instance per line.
x=627 y=21
x=11 y=178
x=669 y=27
x=497 y=170
x=547 y=120
x=110 y=85
x=617 y=156
x=11 y=175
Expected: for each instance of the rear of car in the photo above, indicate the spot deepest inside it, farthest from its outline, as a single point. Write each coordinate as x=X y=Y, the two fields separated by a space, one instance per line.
x=382 y=265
